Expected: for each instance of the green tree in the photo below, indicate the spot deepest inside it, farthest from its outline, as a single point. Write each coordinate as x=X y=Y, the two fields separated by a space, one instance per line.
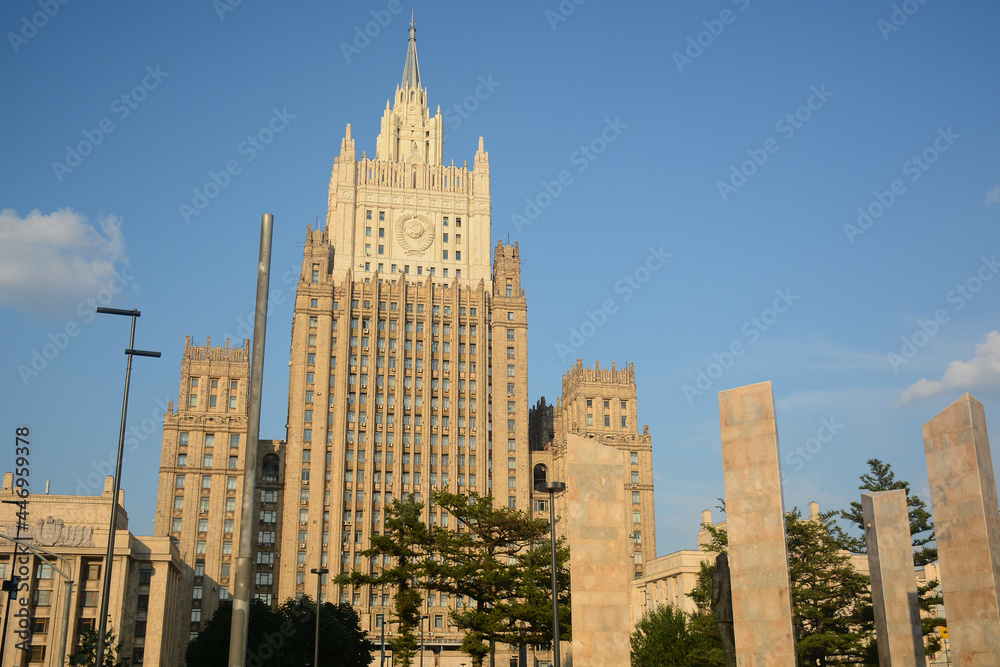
x=667 y=637
x=831 y=601
x=831 y=606
x=342 y=642
x=285 y=636
x=86 y=654
x=881 y=478
x=405 y=540
x=499 y=558
x=211 y=647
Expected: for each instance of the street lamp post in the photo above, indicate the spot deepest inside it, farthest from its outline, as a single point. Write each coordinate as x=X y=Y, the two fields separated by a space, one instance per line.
x=319 y=572
x=422 y=639
x=106 y=588
x=553 y=488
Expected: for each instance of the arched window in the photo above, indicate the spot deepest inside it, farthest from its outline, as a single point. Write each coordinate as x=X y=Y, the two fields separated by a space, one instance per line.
x=541 y=474
x=270 y=468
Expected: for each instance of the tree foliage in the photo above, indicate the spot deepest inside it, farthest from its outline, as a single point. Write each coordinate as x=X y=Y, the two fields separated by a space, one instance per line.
x=86 y=654
x=831 y=601
x=499 y=558
x=881 y=478
x=668 y=637
x=831 y=606
x=285 y=636
x=405 y=540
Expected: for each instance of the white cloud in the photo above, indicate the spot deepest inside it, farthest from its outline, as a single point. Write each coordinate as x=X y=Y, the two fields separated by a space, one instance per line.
x=993 y=196
x=49 y=263
x=983 y=371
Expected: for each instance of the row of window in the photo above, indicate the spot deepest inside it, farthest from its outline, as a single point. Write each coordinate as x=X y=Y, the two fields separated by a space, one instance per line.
x=206 y=462
x=180 y=481
x=184 y=438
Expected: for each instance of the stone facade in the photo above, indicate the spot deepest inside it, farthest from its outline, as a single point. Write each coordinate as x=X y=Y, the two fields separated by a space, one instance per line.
x=201 y=484
x=144 y=586
x=601 y=405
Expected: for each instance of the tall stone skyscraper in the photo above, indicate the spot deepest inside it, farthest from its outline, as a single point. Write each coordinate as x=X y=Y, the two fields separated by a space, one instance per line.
x=408 y=358
x=201 y=484
x=408 y=373
x=601 y=404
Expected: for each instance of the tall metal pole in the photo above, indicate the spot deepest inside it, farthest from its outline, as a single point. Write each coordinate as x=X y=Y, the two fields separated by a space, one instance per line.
x=238 y=634
x=113 y=523
x=319 y=572
x=552 y=488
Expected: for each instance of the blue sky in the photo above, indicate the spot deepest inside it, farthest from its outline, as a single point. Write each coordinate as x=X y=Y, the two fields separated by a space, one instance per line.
x=741 y=138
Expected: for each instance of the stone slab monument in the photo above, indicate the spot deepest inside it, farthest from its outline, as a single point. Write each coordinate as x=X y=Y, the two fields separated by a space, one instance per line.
x=967 y=526
x=894 y=589
x=599 y=544
x=755 y=518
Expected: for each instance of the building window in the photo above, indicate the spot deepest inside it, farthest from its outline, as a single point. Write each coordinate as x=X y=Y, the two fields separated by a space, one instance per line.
x=178 y=502
x=37 y=654
x=90 y=598
x=182 y=460
x=635 y=476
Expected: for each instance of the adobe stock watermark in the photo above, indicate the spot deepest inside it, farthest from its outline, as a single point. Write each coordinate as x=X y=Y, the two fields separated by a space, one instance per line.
x=714 y=27
x=30 y=25
x=898 y=17
x=786 y=126
x=958 y=297
x=459 y=112
x=363 y=35
x=581 y=158
x=135 y=435
x=249 y=149
x=803 y=453
x=275 y=298
x=628 y=286
x=563 y=11
x=223 y=7
x=43 y=355
x=122 y=107
x=751 y=330
x=915 y=167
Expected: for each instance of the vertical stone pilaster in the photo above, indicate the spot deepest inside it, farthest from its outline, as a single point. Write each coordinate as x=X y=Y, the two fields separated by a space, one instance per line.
x=967 y=526
x=894 y=590
x=598 y=542
x=755 y=518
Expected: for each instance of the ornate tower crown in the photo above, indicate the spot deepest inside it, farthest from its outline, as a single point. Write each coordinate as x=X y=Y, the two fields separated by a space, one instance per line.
x=408 y=133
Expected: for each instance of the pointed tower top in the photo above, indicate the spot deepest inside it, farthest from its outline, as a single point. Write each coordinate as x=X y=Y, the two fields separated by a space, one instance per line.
x=411 y=70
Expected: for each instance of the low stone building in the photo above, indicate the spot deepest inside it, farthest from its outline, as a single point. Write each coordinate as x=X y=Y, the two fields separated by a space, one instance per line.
x=145 y=576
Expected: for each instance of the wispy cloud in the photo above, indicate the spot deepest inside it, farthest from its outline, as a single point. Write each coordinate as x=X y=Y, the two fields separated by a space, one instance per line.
x=993 y=196
x=981 y=372
x=49 y=261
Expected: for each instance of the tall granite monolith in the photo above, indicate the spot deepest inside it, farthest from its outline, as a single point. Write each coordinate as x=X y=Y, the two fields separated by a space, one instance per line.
x=894 y=587
x=755 y=518
x=599 y=547
x=967 y=527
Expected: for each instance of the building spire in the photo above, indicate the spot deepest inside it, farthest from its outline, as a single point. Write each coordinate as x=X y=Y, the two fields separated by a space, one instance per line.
x=411 y=70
